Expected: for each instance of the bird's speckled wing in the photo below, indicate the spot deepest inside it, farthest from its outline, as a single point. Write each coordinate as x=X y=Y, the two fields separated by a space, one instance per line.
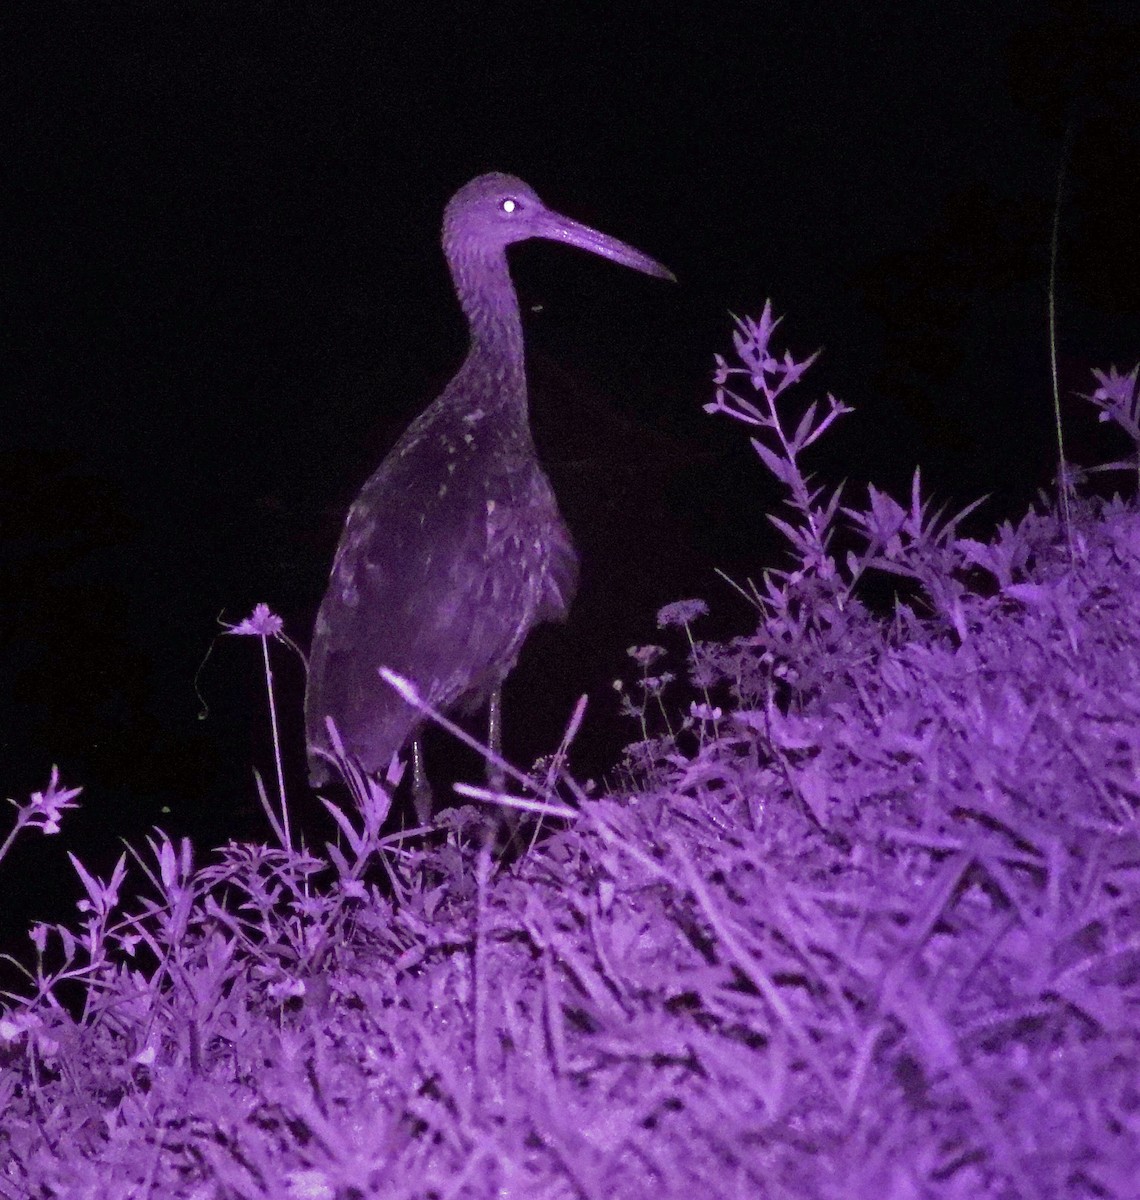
x=444 y=566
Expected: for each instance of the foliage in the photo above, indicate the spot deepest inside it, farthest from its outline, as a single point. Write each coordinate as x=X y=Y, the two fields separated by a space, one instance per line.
x=867 y=925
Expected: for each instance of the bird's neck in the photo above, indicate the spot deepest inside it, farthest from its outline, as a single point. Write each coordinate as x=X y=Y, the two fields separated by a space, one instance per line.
x=488 y=298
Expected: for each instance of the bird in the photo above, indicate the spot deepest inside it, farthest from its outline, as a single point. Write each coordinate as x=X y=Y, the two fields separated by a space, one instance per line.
x=455 y=548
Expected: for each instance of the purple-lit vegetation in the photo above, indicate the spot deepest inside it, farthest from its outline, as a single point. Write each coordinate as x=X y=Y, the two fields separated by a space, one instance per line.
x=865 y=921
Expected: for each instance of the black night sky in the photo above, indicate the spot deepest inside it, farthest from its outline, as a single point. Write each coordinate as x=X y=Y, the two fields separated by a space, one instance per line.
x=225 y=299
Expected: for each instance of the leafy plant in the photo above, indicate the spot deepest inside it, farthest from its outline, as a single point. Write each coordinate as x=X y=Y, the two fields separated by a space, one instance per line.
x=868 y=924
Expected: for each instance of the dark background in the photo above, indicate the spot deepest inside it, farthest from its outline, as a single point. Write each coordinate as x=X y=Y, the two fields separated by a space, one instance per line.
x=224 y=299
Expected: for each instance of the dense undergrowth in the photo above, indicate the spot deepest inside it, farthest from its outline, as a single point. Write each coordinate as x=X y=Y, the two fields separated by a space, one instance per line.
x=865 y=921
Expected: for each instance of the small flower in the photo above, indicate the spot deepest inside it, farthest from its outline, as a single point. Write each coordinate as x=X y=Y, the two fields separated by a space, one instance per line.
x=309 y=1184
x=262 y=623
x=1116 y=388
x=287 y=989
x=645 y=656
x=354 y=889
x=705 y=712
x=44 y=809
x=681 y=612
x=128 y=943
x=13 y=1027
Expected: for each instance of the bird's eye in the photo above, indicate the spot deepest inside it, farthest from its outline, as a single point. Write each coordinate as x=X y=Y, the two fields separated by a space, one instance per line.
x=508 y=205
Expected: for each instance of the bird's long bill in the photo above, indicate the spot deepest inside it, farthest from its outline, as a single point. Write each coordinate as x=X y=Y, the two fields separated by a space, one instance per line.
x=562 y=229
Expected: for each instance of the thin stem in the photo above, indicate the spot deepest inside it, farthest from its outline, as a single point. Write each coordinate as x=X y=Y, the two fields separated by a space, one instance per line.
x=704 y=690
x=276 y=744
x=1063 y=475
x=12 y=836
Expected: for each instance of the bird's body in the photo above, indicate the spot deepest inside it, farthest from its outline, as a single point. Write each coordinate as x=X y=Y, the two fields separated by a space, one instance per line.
x=455 y=548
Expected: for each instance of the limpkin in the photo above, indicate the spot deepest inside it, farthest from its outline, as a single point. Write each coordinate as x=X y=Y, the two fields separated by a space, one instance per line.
x=455 y=548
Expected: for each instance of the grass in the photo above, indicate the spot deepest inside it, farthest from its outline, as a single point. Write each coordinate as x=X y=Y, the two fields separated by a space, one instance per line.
x=863 y=922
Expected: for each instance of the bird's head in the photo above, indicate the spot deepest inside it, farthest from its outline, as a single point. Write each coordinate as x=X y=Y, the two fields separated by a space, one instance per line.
x=493 y=210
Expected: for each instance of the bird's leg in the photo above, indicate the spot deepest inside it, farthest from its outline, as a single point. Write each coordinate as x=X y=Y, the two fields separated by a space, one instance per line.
x=421 y=789
x=495 y=779
x=505 y=828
